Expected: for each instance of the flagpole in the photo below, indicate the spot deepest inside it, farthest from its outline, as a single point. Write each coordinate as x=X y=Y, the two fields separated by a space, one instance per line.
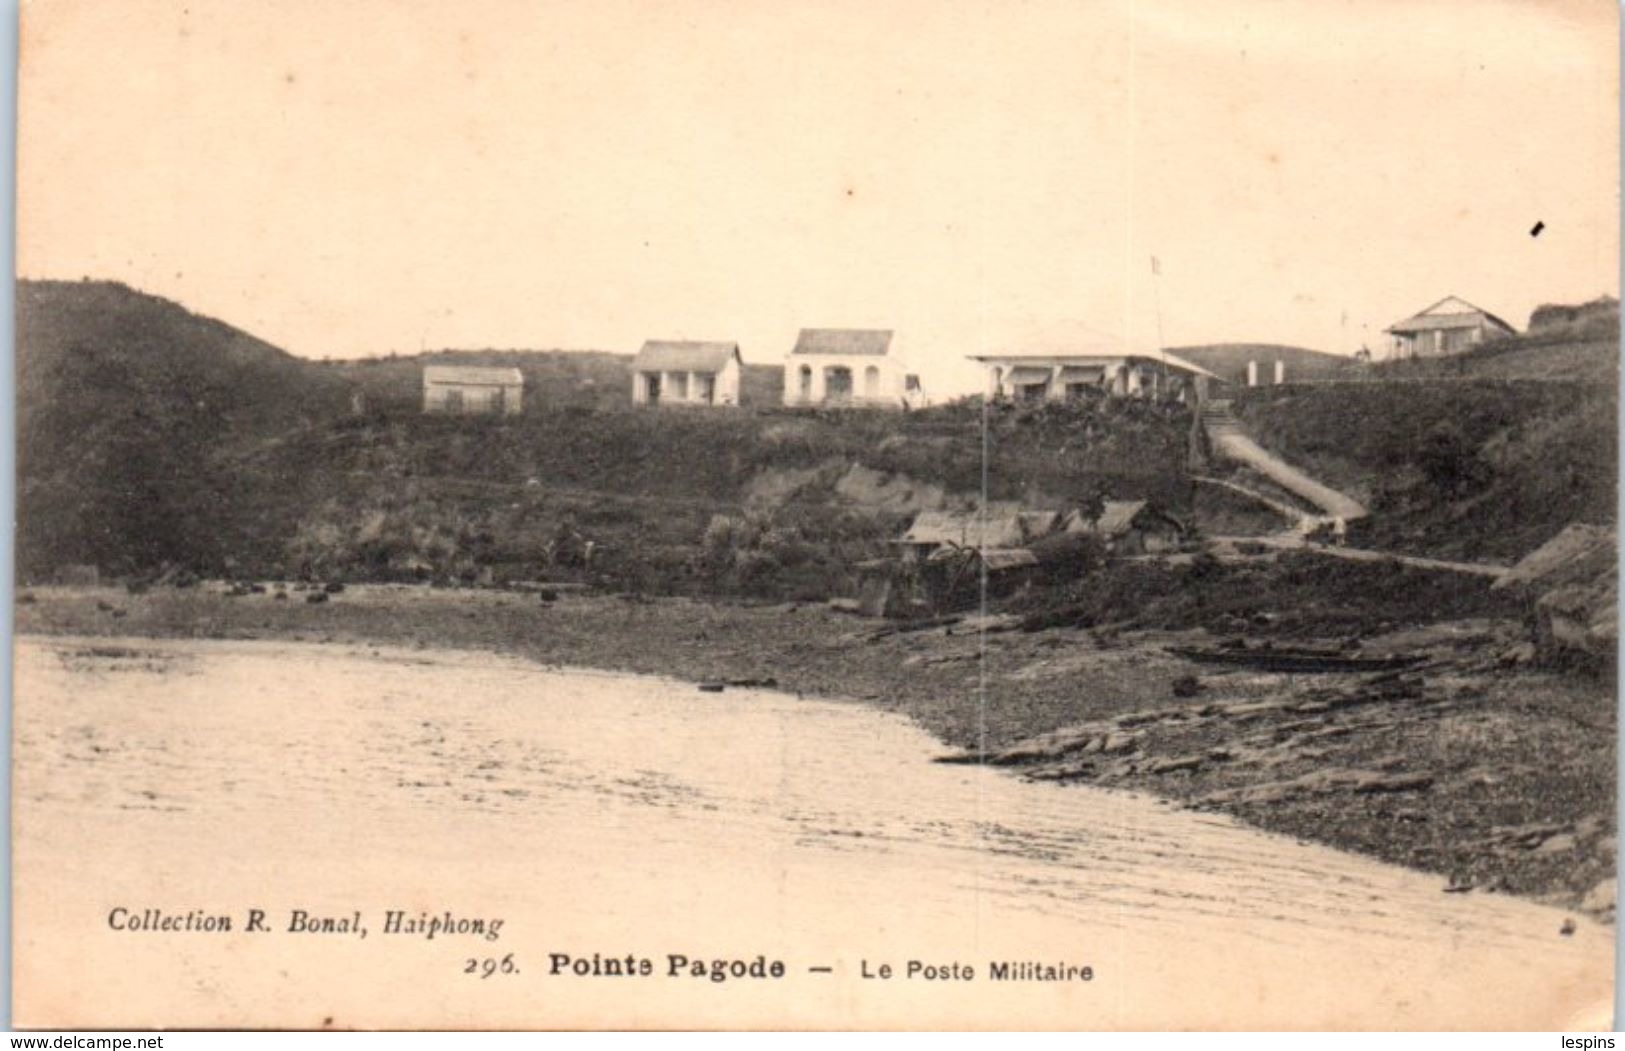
x=1156 y=299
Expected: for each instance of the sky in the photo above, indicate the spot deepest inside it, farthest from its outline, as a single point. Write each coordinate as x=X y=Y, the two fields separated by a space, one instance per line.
x=375 y=176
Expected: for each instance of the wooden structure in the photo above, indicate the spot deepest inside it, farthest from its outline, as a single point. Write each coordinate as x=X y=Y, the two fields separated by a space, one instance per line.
x=473 y=390
x=1450 y=326
x=1130 y=527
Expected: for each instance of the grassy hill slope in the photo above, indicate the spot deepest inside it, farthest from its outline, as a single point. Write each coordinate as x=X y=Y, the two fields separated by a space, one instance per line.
x=1482 y=455
x=121 y=399
x=151 y=436
x=1475 y=469
x=773 y=503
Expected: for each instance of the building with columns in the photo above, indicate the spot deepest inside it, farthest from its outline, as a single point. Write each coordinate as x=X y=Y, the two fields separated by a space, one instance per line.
x=849 y=367
x=1060 y=375
x=677 y=372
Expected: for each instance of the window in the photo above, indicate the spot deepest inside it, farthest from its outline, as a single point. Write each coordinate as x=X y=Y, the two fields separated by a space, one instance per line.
x=806 y=383
x=705 y=387
x=871 y=382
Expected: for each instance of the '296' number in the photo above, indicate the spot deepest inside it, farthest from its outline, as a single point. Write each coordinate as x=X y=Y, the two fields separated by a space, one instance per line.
x=485 y=967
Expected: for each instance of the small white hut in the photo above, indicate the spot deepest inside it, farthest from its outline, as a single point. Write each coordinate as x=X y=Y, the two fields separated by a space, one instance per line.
x=676 y=372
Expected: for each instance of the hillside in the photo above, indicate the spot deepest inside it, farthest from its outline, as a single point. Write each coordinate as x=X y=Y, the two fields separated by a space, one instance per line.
x=152 y=437
x=1597 y=319
x=581 y=378
x=1229 y=361
x=149 y=436
x=121 y=399
x=1480 y=469
x=1484 y=455
x=771 y=504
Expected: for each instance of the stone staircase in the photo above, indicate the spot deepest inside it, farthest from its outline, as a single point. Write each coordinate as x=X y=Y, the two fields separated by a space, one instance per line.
x=1229 y=441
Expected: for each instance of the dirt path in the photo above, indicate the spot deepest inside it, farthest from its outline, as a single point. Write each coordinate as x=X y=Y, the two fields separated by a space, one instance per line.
x=1293 y=541
x=1297 y=518
x=1231 y=442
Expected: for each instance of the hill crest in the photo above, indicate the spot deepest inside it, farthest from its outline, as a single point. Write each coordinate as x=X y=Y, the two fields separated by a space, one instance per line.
x=1229 y=360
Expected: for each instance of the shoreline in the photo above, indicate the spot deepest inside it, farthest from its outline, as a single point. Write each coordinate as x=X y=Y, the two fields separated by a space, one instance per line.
x=458 y=781
x=1492 y=778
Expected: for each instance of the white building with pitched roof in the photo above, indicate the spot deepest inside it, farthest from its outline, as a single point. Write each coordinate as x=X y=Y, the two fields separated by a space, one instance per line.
x=1066 y=360
x=681 y=372
x=849 y=367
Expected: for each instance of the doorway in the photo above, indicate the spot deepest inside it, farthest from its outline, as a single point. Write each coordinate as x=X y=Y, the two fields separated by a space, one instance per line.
x=837 y=383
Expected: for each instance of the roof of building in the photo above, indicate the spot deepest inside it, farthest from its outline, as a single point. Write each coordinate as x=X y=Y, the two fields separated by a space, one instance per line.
x=1449 y=312
x=472 y=375
x=685 y=355
x=843 y=341
x=996 y=559
x=974 y=529
x=1002 y=558
x=1177 y=362
x=1071 y=342
x=1118 y=517
x=1580 y=554
x=1034 y=359
x=1035 y=524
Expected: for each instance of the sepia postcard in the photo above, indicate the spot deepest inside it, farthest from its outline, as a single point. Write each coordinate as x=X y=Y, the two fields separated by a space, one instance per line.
x=917 y=514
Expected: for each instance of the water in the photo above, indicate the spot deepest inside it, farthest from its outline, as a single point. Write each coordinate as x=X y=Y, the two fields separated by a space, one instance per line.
x=615 y=815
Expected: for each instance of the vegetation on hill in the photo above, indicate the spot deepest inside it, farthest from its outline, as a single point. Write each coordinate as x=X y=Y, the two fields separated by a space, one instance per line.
x=121 y=400
x=1598 y=319
x=1481 y=455
x=1473 y=469
x=772 y=504
x=152 y=438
